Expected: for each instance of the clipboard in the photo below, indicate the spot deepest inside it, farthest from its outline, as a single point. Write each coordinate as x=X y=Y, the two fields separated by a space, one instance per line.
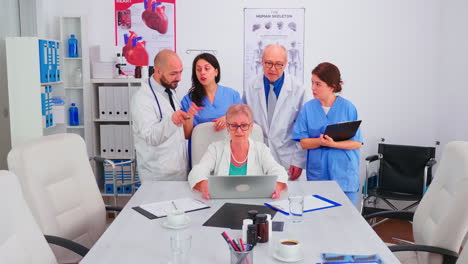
x=311 y=203
x=159 y=209
x=342 y=131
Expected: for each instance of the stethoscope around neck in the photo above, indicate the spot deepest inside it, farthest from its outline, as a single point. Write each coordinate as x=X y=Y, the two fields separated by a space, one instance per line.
x=155 y=97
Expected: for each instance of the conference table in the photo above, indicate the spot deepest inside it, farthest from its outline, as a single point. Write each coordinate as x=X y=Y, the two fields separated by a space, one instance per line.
x=133 y=238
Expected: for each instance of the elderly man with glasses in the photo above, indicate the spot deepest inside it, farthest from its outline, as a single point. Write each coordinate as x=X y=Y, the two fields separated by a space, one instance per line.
x=276 y=99
x=237 y=155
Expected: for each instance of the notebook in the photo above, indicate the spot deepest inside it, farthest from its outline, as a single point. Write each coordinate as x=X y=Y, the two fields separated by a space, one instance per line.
x=241 y=186
x=342 y=131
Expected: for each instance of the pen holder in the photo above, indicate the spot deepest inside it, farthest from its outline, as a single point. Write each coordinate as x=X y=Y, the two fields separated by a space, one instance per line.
x=241 y=257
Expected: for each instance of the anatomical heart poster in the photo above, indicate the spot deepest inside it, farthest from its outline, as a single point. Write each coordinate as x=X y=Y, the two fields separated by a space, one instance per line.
x=265 y=26
x=143 y=28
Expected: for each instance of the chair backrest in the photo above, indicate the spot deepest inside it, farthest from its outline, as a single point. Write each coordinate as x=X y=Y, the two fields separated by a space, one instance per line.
x=21 y=240
x=402 y=168
x=60 y=188
x=441 y=218
x=204 y=134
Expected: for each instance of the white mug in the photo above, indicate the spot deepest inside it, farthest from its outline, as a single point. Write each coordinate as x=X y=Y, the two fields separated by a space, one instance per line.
x=176 y=218
x=289 y=249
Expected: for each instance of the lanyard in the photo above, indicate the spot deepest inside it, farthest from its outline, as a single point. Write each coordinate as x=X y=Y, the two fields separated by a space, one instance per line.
x=155 y=97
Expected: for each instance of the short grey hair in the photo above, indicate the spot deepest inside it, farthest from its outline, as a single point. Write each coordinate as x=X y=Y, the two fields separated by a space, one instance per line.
x=237 y=109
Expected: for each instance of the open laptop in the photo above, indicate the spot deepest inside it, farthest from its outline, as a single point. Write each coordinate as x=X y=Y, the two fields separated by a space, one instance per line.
x=241 y=186
x=342 y=131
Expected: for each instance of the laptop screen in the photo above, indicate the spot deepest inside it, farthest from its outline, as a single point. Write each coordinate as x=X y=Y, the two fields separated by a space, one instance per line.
x=261 y=186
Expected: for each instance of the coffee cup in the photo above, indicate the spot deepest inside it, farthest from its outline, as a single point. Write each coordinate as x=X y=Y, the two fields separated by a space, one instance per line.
x=289 y=249
x=176 y=218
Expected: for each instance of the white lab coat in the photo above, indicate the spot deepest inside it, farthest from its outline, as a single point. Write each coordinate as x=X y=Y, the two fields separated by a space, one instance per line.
x=160 y=145
x=217 y=160
x=278 y=136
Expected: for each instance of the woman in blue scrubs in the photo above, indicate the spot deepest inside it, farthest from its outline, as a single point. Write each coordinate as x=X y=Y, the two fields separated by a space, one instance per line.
x=207 y=101
x=327 y=159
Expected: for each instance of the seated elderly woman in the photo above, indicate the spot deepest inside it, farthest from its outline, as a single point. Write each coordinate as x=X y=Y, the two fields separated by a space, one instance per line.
x=237 y=155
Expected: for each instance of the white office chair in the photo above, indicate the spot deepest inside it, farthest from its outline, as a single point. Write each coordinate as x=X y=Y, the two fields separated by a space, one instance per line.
x=204 y=134
x=61 y=190
x=21 y=240
x=440 y=222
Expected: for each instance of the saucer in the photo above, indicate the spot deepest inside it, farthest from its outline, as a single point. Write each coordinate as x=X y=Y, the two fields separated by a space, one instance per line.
x=184 y=225
x=299 y=258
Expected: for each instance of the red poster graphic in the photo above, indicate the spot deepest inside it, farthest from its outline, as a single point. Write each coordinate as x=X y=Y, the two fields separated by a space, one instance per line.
x=143 y=28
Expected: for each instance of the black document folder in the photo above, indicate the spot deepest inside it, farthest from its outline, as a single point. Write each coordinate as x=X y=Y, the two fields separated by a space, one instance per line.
x=342 y=131
x=231 y=215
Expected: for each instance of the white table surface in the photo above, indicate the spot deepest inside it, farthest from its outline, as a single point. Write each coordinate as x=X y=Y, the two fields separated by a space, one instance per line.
x=133 y=238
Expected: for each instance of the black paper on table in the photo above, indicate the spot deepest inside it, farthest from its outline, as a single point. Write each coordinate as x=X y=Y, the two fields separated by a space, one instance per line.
x=231 y=215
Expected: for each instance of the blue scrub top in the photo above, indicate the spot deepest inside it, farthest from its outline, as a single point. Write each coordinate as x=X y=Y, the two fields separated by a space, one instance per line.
x=340 y=165
x=224 y=98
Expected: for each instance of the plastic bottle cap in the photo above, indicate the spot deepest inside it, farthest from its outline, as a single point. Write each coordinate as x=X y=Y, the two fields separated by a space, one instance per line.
x=72 y=35
x=261 y=218
x=252 y=227
x=252 y=213
x=247 y=222
x=73 y=104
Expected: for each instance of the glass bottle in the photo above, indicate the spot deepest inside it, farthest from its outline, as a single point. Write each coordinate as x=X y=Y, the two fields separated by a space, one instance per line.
x=262 y=228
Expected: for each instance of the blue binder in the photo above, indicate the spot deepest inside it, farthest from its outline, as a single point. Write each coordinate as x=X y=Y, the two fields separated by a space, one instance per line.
x=43 y=60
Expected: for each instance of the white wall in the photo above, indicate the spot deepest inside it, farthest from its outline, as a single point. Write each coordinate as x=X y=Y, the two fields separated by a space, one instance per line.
x=388 y=52
x=452 y=89
x=10 y=28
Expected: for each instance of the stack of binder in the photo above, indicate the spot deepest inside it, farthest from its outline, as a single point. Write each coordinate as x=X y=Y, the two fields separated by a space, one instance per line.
x=123 y=175
x=114 y=103
x=49 y=60
x=46 y=105
x=116 y=142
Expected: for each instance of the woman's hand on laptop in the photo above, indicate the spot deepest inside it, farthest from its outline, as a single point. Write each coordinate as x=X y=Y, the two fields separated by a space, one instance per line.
x=279 y=187
x=202 y=186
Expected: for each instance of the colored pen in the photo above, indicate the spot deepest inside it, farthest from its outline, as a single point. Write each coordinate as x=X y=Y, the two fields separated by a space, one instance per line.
x=242 y=244
x=243 y=248
x=237 y=244
x=229 y=241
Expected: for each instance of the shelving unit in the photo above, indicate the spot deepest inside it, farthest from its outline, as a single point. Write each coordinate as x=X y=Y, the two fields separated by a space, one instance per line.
x=29 y=60
x=76 y=77
x=123 y=89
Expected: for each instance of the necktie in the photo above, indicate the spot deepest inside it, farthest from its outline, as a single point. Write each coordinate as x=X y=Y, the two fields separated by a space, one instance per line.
x=271 y=103
x=169 y=92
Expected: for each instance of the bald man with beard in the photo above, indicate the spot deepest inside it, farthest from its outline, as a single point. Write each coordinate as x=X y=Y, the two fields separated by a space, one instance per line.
x=158 y=122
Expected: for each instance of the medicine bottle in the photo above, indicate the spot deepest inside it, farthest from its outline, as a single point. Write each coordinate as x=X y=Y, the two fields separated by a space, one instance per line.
x=138 y=72
x=150 y=71
x=245 y=225
x=270 y=226
x=72 y=47
x=252 y=236
x=252 y=215
x=73 y=118
x=262 y=228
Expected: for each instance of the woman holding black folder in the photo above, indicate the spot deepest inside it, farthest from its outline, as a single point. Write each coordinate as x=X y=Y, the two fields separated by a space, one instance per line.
x=328 y=159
